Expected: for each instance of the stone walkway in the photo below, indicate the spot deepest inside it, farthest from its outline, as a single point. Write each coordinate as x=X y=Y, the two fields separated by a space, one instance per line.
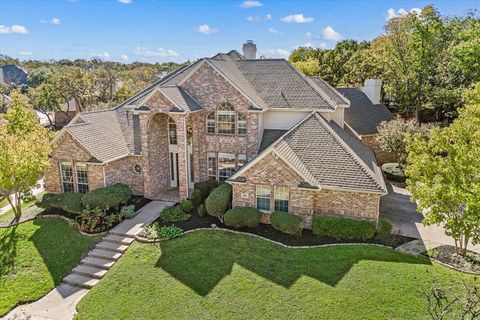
x=60 y=302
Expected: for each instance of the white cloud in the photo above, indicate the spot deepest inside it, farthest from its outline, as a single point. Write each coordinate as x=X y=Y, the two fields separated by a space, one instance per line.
x=275 y=31
x=125 y=1
x=205 y=29
x=329 y=34
x=100 y=55
x=160 y=52
x=252 y=18
x=391 y=13
x=297 y=18
x=276 y=53
x=25 y=53
x=268 y=17
x=124 y=57
x=13 y=29
x=251 y=4
x=51 y=21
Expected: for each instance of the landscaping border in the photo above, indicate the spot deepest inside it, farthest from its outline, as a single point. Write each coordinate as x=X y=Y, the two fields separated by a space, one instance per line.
x=452 y=267
x=145 y=240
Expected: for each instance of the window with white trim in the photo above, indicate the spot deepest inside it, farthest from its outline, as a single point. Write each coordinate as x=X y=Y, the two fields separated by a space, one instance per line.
x=226 y=165
x=242 y=159
x=211 y=122
x=212 y=165
x=263 y=194
x=281 y=195
x=82 y=177
x=242 y=124
x=226 y=119
x=66 y=169
x=172 y=131
x=221 y=166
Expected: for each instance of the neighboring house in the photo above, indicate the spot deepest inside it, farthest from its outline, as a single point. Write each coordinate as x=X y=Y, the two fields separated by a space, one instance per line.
x=71 y=110
x=12 y=74
x=277 y=136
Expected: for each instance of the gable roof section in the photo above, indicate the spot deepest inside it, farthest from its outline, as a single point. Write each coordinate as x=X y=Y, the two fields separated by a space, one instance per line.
x=333 y=94
x=101 y=134
x=326 y=156
x=363 y=116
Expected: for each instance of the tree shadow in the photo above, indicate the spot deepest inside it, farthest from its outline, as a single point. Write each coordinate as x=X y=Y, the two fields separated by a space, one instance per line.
x=8 y=249
x=201 y=264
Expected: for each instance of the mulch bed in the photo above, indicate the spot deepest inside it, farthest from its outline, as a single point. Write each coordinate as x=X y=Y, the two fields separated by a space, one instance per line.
x=267 y=231
x=447 y=255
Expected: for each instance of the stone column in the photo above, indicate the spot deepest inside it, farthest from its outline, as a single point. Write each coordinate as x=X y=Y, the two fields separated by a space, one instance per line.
x=181 y=121
x=147 y=178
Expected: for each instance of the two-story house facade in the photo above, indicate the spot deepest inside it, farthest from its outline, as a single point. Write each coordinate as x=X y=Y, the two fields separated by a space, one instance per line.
x=277 y=136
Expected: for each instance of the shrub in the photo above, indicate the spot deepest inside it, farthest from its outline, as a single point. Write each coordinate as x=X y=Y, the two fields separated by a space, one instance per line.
x=343 y=228
x=394 y=172
x=186 y=206
x=128 y=212
x=107 y=197
x=69 y=202
x=286 y=222
x=174 y=214
x=202 y=211
x=218 y=201
x=96 y=220
x=168 y=232
x=242 y=217
x=201 y=191
x=384 y=228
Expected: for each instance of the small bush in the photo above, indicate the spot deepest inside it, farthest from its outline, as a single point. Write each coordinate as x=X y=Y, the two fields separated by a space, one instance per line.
x=201 y=191
x=218 y=201
x=107 y=197
x=128 y=212
x=202 y=211
x=394 y=172
x=96 y=220
x=186 y=206
x=174 y=214
x=384 y=228
x=286 y=222
x=168 y=232
x=69 y=202
x=242 y=217
x=343 y=228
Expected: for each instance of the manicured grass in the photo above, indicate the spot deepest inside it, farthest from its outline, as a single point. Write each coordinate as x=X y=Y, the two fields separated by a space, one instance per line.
x=34 y=257
x=219 y=275
x=25 y=205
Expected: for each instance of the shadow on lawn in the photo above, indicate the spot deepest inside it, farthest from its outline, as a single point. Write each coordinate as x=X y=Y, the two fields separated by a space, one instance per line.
x=203 y=263
x=8 y=249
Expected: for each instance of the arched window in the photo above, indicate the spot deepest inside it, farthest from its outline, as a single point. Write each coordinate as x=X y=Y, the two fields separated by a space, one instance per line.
x=172 y=131
x=226 y=119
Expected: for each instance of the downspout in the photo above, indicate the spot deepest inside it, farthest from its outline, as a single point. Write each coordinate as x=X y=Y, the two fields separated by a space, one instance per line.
x=186 y=153
x=104 y=178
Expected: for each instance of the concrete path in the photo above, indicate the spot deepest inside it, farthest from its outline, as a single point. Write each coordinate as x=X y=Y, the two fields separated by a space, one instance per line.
x=60 y=302
x=402 y=213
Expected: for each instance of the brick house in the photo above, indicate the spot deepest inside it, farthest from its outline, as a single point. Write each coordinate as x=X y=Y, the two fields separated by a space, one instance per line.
x=277 y=136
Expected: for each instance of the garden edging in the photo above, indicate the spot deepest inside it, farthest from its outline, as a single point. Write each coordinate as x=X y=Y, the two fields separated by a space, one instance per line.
x=145 y=240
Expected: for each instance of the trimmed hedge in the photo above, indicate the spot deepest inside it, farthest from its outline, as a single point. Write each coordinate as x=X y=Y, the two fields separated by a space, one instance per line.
x=218 y=201
x=286 y=222
x=69 y=202
x=186 y=206
x=107 y=197
x=394 y=172
x=242 y=217
x=343 y=228
x=174 y=214
x=201 y=191
x=384 y=228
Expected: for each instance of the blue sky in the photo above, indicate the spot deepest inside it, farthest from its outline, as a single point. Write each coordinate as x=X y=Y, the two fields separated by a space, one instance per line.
x=149 y=30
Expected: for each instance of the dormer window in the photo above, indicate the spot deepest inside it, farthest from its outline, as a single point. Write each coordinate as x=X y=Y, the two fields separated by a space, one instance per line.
x=226 y=121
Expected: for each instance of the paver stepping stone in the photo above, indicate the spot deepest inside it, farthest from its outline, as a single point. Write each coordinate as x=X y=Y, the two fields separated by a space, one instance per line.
x=98 y=262
x=118 y=239
x=80 y=280
x=94 y=272
x=105 y=254
x=113 y=246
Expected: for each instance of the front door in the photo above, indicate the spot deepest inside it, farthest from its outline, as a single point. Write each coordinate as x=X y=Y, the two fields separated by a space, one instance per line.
x=174 y=182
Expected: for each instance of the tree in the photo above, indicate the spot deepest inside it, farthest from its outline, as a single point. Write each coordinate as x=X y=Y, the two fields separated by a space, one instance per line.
x=310 y=67
x=444 y=176
x=391 y=136
x=24 y=150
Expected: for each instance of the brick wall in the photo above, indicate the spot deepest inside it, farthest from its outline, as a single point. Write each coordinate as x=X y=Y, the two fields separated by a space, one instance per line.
x=121 y=171
x=157 y=101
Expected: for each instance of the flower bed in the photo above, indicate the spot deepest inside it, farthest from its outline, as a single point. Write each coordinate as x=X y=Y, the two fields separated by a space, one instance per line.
x=447 y=255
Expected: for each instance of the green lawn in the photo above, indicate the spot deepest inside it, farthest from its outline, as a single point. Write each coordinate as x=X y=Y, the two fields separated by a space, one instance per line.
x=34 y=258
x=8 y=216
x=219 y=275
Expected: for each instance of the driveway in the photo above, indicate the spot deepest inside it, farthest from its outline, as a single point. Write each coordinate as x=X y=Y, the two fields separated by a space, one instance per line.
x=402 y=213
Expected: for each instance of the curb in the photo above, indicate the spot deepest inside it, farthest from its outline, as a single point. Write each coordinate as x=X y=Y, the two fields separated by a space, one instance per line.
x=145 y=240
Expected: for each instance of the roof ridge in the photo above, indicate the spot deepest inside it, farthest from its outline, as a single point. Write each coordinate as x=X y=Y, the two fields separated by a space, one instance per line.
x=370 y=173
x=338 y=94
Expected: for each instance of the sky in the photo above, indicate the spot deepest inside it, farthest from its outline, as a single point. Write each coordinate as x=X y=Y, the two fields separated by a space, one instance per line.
x=160 y=31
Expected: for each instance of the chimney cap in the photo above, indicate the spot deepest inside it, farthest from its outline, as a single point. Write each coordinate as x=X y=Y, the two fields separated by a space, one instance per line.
x=249 y=41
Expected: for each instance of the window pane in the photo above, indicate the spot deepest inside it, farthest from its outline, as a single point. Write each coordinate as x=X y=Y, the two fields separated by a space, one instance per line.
x=281 y=196
x=263 y=197
x=82 y=177
x=212 y=165
x=67 y=176
x=172 y=132
x=242 y=158
x=211 y=122
x=226 y=119
x=226 y=165
x=242 y=124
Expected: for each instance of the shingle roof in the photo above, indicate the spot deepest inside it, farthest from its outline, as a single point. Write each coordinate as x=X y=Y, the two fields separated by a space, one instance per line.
x=327 y=156
x=101 y=134
x=269 y=137
x=364 y=116
x=333 y=94
x=180 y=98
